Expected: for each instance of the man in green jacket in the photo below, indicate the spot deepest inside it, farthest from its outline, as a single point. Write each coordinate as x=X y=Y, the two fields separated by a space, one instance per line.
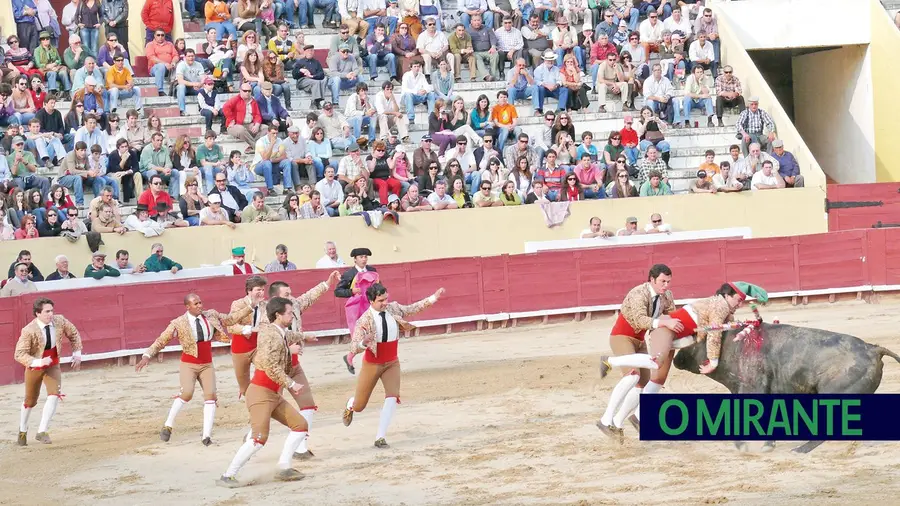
x=48 y=61
x=98 y=268
x=158 y=263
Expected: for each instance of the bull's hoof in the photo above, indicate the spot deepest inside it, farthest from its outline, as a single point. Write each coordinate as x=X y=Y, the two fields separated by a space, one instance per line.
x=769 y=447
x=741 y=446
x=807 y=447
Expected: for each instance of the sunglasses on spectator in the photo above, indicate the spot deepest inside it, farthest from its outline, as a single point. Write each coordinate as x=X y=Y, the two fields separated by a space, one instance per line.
x=623 y=176
x=192 y=184
x=607 y=15
x=160 y=35
x=570 y=179
x=157 y=183
x=220 y=180
x=486 y=187
x=432 y=168
x=657 y=221
x=461 y=143
x=429 y=24
x=620 y=161
x=632 y=38
x=245 y=90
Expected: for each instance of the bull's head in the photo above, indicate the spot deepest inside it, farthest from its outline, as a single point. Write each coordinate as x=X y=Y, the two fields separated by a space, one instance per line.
x=690 y=357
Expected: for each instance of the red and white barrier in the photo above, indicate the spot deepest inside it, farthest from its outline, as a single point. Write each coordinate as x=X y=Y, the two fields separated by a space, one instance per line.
x=122 y=320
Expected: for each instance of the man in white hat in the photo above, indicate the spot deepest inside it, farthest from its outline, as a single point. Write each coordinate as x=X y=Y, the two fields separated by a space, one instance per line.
x=214 y=214
x=547 y=83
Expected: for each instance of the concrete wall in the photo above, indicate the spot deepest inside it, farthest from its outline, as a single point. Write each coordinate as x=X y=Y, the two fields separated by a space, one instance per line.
x=885 y=75
x=833 y=111
x=754 y=83
x=446 y=234
x=775 y=24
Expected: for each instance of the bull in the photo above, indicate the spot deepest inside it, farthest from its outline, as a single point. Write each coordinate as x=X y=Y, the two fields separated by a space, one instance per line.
x=791 y=360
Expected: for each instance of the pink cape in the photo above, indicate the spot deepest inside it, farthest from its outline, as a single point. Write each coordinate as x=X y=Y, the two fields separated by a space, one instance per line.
x=358 y=304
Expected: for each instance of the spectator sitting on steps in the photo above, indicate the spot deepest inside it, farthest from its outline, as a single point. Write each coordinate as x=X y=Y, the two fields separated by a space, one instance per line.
x=656 y=225
x=723 y=181
x=156 y=262
x=767 y=179
x=34 y=274
x=702 y=184
x=631 y=228
x=787 y=165
x=98 y=268
x=19 y=283
x=62 y=269
x=594 y=230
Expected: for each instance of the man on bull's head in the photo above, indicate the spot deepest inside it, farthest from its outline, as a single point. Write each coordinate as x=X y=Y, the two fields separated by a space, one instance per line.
x=645 y=308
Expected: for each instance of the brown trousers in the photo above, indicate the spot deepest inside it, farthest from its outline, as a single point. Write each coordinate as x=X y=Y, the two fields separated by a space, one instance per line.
x=357 y=26
x=304 y=399
x=369 y=374
x=51 y=377
x=626 y=345
x=264 y=406
x=241 y=362
x=189 y=374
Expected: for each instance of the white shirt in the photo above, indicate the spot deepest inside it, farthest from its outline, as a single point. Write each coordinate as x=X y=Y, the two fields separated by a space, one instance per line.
x=466 y=159
x=432 y=43
x=651 y=33
x=761 y=178
x=665 y=227
x=661 y=88
x=326 y=262
x=393 y=330
x=413 y=83
x=674 y=26
x=347 y=7
x=37 y=361
x=207 y=214
x=330 y=192
x=382 y=104
x=701 y=53
x=204 y=324
x=433 y=199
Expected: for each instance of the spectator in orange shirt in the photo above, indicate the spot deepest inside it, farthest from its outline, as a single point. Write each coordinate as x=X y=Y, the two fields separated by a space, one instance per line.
x=709 y=165
x=159 y=16
x=120 y=84
x=218 y=17
x=504 y=119
x=161 y=58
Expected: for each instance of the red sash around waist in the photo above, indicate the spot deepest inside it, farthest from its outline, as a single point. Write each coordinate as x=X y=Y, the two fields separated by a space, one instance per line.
x=54 y=354
x=387 y=352
x=243 y=344
x=262 y=379
x=623 y=328
x=204 y=354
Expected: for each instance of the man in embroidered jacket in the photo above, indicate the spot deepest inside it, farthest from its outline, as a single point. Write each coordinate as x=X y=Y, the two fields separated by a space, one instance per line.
x=377 y=333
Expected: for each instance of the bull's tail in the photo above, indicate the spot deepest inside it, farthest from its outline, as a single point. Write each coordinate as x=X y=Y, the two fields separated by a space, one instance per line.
x=884 y=351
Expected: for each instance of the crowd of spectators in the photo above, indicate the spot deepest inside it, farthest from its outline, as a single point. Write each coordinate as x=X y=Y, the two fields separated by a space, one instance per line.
x=348 y=160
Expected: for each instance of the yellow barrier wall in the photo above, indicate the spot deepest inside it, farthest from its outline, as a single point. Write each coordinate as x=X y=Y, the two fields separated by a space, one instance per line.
x=883 y=51
x=454 y=233
x=7 y=22
x=753 y=83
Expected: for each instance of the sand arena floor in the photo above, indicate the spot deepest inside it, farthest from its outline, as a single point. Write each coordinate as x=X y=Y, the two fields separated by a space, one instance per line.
x=496 y=417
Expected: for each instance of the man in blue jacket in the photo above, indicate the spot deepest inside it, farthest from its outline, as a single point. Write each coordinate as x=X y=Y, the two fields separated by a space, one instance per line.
x=271 y=110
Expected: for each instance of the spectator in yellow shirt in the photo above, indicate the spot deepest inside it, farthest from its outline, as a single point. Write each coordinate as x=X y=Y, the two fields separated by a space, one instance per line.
x=120 y=84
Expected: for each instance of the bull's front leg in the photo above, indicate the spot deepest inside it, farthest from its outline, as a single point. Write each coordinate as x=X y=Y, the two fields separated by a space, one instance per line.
x=754 y=384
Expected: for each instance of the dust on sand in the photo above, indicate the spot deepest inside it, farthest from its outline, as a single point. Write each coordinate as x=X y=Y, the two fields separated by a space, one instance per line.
x=496 y=417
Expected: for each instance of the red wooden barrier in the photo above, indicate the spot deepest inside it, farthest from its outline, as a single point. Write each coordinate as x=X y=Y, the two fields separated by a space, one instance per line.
x=865 y=216
x=131 y=316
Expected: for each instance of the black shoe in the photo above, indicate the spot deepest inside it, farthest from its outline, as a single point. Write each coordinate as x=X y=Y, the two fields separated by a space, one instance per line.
x=165 y=433
x=206 y=441
x=720 y=123
x=317 y=104
x=311 y=26
x=381 y=443
x=349 y=365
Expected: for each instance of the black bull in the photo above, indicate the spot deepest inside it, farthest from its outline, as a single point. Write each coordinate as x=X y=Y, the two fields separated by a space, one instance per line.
x=792 y=360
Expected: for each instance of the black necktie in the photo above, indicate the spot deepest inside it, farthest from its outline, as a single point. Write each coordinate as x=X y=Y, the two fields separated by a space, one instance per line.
x=384 y=328
x=200 y=335
x=255 y=313
x=655 y=306
x=49 y=343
